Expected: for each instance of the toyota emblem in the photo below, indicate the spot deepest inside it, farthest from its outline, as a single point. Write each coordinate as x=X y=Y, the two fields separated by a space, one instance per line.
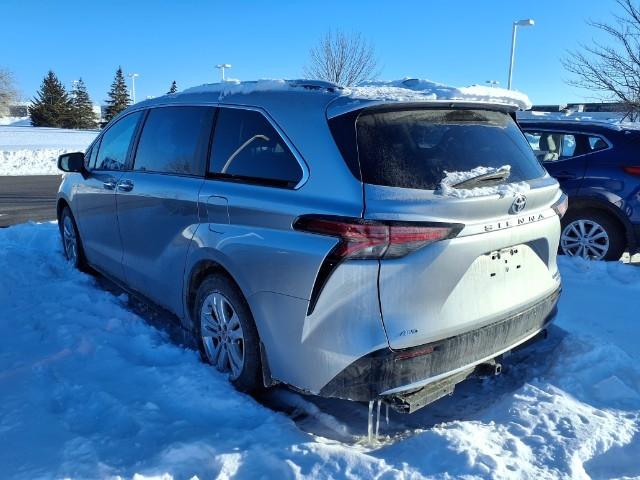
x=518 y=204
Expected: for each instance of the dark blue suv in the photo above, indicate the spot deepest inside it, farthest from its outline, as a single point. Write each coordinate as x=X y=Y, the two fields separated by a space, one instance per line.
x=598 y=167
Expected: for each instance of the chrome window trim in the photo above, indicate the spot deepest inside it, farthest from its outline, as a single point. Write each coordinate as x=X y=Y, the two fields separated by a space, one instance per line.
x=565 y=132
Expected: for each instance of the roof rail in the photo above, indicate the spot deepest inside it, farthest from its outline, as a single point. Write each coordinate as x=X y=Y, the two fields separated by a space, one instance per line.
x=316 y=85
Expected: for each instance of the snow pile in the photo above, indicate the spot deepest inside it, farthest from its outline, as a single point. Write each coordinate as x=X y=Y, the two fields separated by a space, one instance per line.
x=15 y=121
x=415 y=90
x=88 y=389
x=34 y=151
x=447 y=188
x=31 y=162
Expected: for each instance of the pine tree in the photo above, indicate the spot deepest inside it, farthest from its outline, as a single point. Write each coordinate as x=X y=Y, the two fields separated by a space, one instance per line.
x=83 y=116
x=51 y=107
x=118 y=96
x=173 y=89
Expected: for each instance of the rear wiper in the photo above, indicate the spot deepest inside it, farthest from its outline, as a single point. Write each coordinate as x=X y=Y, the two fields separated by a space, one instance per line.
x=484 y=179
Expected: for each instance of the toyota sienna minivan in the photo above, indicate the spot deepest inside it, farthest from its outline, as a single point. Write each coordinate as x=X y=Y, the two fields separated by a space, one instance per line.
x=312 y=235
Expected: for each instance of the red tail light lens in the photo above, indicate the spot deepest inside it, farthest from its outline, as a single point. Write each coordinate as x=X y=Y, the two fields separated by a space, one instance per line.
x=632 y=170
x=367 y=239
x=561 y=206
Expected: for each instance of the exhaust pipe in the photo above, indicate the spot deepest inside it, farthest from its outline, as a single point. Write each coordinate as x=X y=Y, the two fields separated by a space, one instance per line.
x=488 y=369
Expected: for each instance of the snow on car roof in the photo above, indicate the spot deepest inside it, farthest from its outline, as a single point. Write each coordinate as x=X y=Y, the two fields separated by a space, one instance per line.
x=404 y=90
x=236 y=87
x=579 y=118
x=415 y=90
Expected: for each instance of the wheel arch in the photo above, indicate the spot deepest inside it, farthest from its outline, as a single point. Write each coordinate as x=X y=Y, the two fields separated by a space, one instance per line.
x=60 y=205
x=200 y=270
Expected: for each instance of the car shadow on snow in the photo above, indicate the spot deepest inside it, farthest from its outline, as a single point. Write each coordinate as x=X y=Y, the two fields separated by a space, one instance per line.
x=346 y=421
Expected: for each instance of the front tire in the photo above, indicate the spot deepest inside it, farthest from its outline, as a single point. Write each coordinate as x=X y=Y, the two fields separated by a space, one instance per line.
x=226 y=333
x=71 y=243
x=593 y=235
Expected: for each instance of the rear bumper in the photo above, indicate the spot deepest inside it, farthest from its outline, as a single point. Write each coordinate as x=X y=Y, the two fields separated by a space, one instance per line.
x=387 y=372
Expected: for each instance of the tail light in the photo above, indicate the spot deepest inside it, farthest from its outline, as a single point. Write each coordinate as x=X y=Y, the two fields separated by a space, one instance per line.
x=369 y=240
x=632 y=170
x=560 y=207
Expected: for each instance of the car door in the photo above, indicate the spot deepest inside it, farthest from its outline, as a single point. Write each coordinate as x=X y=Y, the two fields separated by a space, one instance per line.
x=96 y=196
x=562 y=154
x=158 y=200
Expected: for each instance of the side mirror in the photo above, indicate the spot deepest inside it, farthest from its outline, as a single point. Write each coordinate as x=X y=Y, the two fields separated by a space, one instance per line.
x=71 y=162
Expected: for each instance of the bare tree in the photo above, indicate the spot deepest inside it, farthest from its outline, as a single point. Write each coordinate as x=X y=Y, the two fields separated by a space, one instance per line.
x=8 y=91
x=611 y=68
x=345 y=59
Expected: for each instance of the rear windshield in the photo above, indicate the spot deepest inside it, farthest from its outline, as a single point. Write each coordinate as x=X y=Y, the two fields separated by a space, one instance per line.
x=414 y=148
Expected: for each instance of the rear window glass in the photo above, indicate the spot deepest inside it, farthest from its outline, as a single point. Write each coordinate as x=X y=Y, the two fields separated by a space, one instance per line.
x=414 y=148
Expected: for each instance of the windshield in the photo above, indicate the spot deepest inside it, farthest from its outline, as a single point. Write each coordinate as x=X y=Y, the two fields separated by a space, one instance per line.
x=415 y=148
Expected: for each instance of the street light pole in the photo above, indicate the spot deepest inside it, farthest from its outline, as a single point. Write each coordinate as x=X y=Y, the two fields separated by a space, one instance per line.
x=222 y=66
x=133 y=76
x=520 y=23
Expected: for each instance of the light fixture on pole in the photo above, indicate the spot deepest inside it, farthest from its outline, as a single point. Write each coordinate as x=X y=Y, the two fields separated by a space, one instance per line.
x=133 y=76
x=528 y=22
x=493 y=83
x=222 y=66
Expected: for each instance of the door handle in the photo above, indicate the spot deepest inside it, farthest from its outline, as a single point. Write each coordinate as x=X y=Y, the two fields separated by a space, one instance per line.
x=109 y=184
x=125 y=185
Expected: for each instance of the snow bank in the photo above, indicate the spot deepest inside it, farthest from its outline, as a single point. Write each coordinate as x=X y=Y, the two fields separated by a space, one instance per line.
x=412 y=90
x=34 y=151
x=15 y=121
x=31 y=162
x=504 y=189
x=88 y=389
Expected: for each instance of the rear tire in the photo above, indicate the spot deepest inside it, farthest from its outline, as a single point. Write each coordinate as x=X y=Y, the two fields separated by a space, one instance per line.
x=226 y=333
x=592 y=234
x=71 y=243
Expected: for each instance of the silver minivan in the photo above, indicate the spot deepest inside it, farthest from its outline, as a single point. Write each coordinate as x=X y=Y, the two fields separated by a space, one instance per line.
x=309 y=235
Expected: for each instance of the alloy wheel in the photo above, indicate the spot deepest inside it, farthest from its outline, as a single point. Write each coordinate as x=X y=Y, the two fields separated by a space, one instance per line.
x=222 y=334
x=586 y=239
x=70 y=240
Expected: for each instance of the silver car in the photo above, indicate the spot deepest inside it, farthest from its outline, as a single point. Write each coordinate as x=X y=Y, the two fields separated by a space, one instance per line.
x=305 y=235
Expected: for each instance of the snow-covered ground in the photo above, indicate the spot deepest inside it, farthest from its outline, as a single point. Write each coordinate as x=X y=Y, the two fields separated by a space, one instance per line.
x=34 y=150
x=89 y=389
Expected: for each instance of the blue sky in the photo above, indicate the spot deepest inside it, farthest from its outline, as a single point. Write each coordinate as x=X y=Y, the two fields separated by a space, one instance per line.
x=455 y=42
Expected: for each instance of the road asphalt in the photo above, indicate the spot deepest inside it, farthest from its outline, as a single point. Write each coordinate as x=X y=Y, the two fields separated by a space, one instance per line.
x=28 y=198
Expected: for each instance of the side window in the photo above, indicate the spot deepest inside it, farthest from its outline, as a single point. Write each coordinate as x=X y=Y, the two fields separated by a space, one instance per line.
x=92 y=155
x=534 y=140
x=175 y=140
x=247 y=147
x=115 y=143
x=552 y=146
x=548 y=146
x=568 y=145
x=597 y=143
